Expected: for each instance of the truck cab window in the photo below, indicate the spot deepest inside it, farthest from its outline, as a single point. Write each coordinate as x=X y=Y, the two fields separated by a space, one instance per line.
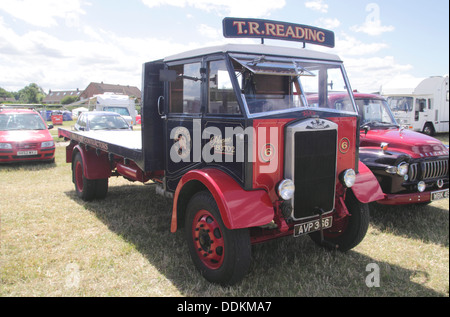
x=222 y=98
x=185 y=91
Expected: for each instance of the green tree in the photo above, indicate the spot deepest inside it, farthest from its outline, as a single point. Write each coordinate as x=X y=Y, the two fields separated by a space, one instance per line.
x=31 y=94
x=69 y=99
x=5 y=94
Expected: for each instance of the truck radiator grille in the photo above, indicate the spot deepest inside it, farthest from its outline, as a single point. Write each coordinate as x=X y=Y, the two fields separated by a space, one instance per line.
x=314 y=171
x=428 y=170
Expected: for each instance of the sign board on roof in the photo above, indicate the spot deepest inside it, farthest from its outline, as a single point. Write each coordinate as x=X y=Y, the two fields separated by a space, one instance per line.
x=267 y=29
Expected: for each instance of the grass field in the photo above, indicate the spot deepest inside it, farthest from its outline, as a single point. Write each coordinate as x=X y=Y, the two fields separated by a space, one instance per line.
x=54 y=244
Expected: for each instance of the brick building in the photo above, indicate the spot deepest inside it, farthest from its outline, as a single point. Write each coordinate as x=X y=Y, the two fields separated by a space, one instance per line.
x=101 y=88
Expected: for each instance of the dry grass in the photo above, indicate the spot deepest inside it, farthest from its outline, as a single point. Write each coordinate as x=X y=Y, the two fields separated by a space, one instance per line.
x=53 y=244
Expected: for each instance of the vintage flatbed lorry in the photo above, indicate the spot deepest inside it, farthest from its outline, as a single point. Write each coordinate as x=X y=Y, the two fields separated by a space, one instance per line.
x=228 y=134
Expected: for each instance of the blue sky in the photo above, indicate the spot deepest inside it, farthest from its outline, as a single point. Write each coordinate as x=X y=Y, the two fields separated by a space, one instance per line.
x=66 y=44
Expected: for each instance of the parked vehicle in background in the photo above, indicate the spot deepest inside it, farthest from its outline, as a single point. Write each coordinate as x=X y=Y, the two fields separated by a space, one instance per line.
x=24 y=136
x=411 y=167
x=423 y=108
x=101 y=120
x=121 y=104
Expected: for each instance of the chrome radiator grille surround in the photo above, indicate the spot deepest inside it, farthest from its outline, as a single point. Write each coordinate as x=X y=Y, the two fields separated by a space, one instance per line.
x=310 y=161
x=428 y=170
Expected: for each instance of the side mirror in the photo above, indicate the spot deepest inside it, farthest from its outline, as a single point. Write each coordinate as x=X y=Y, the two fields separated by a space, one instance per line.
x=50 y=126
x=167 y=75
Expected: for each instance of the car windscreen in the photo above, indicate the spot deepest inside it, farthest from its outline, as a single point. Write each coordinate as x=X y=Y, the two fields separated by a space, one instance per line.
x=107 y=122
x=21 y=121
x=120 y=110
x=375 y=112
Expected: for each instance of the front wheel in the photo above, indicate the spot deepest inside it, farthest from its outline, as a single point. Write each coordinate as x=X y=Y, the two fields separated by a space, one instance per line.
x=221 y=255
x=348 y=232
x=428 y=129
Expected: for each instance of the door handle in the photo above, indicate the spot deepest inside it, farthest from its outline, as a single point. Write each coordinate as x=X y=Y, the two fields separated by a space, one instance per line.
x=161 y=113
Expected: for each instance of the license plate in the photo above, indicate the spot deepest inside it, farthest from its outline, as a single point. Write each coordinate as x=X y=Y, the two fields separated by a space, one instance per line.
x=25 y=153
x=311 y=226
x=441 y=194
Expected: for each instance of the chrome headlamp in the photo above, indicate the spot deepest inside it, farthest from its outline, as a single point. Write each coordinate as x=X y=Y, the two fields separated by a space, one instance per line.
x=402 y=168
x=348 y=178
x=286 y=189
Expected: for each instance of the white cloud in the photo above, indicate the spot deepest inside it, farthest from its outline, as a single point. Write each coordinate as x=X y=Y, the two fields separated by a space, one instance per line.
x=372 y=25
x=369 y=74
x=372 y=28
x=328 y=23
x=44 y=13
x=317 y=5
x=247 y=8
x=350 y=46
x=209 y=32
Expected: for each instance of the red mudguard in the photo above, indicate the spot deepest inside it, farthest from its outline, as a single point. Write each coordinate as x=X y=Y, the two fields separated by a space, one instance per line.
x=366 y=187
x=238 y=208
x=95 y=166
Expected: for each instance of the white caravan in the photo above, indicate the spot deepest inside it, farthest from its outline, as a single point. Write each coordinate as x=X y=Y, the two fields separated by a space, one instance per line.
x=422 y=107
x=122 y=104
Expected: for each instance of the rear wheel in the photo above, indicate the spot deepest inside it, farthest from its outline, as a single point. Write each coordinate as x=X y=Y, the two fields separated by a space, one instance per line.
x=87 y=189
x=221 y=255
x=349 y=231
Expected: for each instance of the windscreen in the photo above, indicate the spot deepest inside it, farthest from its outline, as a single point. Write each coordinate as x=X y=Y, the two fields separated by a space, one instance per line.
x=375 y=112
x=401 y=103
x=120 y=110
x=20 y=121
x=271 y=84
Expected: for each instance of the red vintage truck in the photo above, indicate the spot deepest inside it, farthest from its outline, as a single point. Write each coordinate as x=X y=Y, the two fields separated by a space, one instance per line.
x=228 y=134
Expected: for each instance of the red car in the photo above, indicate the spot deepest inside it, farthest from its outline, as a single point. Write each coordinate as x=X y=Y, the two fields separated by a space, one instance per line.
x=411 y=167
x=24 y=136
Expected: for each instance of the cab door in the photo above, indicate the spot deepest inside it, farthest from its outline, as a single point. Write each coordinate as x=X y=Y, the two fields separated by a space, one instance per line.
x=184 y=110
x=202 y=106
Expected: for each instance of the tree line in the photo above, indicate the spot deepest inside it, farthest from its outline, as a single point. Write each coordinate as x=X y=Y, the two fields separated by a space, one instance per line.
x=32 y=94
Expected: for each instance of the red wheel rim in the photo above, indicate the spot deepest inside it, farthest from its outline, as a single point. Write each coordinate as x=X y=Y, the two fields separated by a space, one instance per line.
x=208 y=239
x=79 y=175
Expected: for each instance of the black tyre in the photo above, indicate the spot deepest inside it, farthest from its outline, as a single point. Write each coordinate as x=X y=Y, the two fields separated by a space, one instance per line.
x=221 y=255
x=87 y=189
x=428 y=129
x=348 y=232
x=101 y=188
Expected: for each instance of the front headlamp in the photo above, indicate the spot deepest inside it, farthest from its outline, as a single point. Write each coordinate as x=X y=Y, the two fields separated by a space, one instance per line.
x=348 y=178
x=402 y=168
x=286 y=189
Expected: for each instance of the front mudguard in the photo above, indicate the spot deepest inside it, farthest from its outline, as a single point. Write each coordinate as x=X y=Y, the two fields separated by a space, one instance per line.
x=366 y=188
x=238 y=208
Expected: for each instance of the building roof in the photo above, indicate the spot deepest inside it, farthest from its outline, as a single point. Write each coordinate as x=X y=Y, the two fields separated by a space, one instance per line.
x=101 y=88
x=57 y=95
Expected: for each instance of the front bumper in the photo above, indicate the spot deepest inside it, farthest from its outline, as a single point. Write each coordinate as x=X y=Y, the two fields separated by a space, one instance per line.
x=412 y=198
x=42 y=155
